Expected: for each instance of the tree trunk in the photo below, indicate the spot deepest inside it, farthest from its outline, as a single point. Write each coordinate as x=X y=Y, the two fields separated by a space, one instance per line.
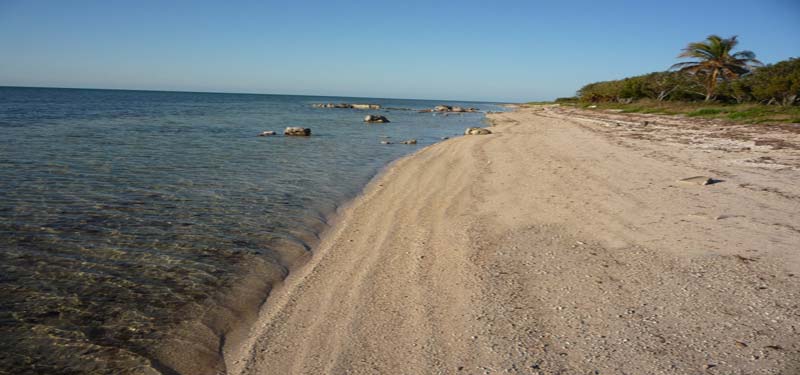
x=664 y=94
x=712 y=84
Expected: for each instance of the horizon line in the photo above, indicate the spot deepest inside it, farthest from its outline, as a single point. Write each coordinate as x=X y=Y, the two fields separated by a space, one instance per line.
x=249 y=93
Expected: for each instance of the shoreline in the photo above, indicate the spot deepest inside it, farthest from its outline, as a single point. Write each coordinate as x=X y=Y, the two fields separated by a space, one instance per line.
x=476 y=253
x=200 y=346
x=281 y=291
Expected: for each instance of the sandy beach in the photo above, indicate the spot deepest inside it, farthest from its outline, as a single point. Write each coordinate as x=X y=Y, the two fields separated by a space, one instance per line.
x=563 y=243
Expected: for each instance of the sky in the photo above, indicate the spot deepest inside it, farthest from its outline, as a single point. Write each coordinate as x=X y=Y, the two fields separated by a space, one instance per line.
x=464 y=50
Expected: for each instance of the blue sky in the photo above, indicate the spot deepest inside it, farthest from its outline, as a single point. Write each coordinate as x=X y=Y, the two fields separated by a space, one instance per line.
x=470 y=50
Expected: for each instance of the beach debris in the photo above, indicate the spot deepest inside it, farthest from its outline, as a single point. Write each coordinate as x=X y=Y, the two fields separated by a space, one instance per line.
x=409 y=142
x=744 y=259
x=698 y=180
x=376 y=119
x=346 y=105
x=386 y=142
x=477 y=131
x=266 y=133
x=297 y=131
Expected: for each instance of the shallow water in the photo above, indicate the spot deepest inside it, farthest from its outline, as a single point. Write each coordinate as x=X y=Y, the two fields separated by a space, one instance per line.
x=120 y=208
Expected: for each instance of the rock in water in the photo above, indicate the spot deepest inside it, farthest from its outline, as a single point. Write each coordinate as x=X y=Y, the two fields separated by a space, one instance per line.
x=409 y=142
x=375 y=119
x=442 y=108
x=477 y=131
x=366 y=106
x=346 y=105
x=266 y=133
x=297 y=131
x=457 y=109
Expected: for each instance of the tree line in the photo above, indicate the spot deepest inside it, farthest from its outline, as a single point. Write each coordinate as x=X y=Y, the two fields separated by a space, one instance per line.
x=716 y=73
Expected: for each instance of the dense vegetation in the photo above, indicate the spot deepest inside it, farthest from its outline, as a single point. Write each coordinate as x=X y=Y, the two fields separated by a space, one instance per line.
x=716 y=75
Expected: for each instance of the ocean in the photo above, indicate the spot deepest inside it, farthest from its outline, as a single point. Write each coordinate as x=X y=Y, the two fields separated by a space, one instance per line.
x=129 y=218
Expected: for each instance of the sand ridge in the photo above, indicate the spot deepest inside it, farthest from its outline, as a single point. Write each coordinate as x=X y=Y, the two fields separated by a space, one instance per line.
x=556 y=245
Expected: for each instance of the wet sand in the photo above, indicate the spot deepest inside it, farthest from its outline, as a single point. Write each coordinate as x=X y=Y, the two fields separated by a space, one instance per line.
x=562 y=243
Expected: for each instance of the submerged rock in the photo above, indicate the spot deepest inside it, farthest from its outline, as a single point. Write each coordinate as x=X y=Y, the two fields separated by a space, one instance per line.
x=297 y=131
x=266 y=133
x=386 y=142
x=477 y=131
x=375 y=119
x=409 y=142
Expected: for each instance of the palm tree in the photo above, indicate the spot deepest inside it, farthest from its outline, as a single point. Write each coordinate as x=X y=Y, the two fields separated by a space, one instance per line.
x=715 y=61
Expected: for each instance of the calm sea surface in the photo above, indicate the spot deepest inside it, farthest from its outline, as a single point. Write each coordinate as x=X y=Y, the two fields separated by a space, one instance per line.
x=124 y=214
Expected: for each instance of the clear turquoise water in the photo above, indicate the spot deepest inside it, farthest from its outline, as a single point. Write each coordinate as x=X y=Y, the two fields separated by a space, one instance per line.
x=124 y=213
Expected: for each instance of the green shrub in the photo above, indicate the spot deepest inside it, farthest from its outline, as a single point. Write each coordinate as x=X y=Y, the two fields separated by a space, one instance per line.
x=658 y=86
x=777 y=84
x=571 y=99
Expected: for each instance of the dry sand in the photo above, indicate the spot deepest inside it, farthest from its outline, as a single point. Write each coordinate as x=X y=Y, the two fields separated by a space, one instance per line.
x=561 y=244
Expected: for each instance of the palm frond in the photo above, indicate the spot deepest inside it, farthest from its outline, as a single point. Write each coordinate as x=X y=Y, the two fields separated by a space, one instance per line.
x=685 y=64
x=714 y=60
